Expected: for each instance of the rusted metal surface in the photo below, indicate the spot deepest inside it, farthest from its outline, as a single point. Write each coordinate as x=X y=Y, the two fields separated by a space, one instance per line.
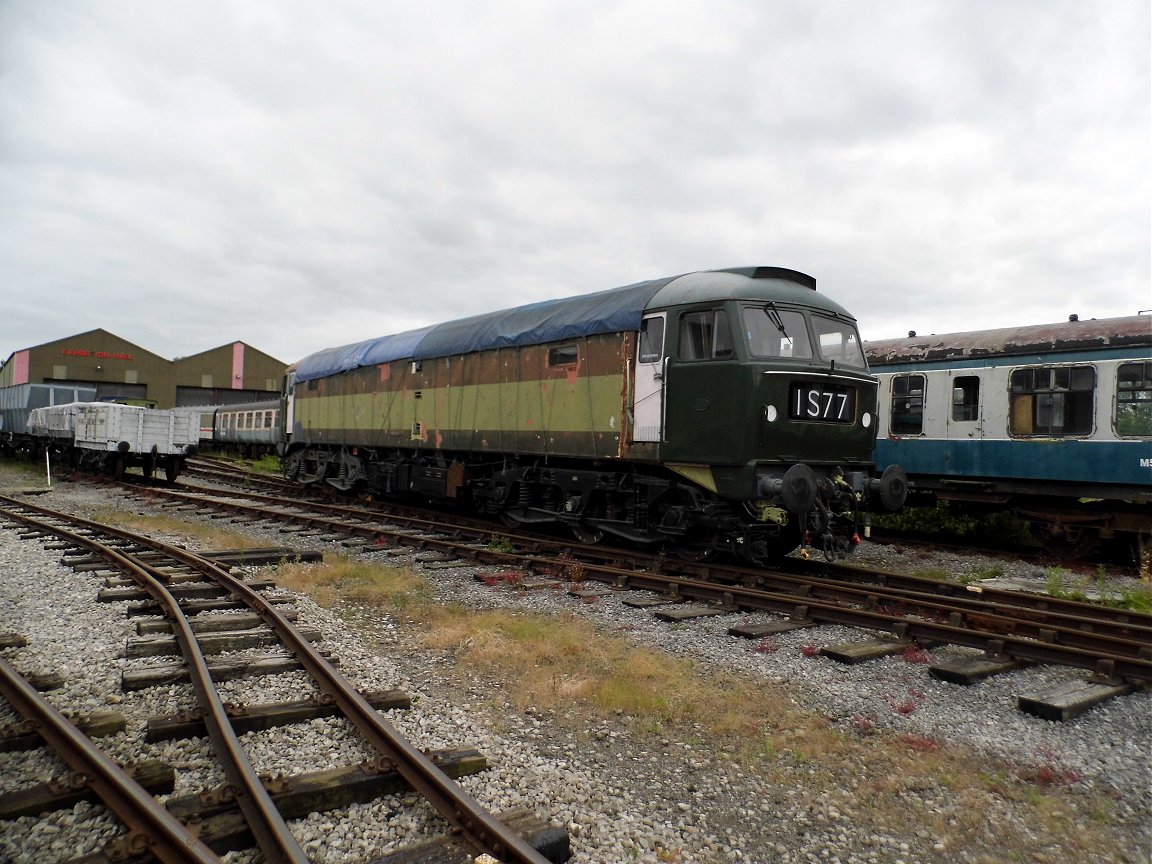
x=1124 y=332
x=509 y=399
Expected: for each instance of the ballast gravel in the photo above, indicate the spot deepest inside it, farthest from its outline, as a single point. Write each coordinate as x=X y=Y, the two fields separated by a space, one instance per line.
x=622 y=793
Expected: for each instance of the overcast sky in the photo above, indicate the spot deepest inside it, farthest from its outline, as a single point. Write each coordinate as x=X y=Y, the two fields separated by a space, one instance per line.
x=298 y=175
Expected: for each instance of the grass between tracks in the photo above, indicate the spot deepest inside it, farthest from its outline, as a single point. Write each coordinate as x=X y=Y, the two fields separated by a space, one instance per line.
x=202 y=536
x=564 y=665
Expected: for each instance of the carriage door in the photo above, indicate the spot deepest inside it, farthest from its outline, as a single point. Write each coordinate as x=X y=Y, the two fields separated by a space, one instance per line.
x=289 y=408
x=965 y=422
x=651 y=365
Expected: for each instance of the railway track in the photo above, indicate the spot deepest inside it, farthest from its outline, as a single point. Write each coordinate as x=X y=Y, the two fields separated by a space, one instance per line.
x=873 y=701
x=170 y=581
x=1011 y=628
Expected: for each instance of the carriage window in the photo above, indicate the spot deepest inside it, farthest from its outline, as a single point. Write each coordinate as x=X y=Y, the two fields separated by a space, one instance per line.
x=907 y=405
x=267 y=419
x=966 y=398
x=1134 y=399
x=839 y=341
x=652 y=339
x=565 y=355
x=776 y=332
x=705 y=335
x=1051 y=400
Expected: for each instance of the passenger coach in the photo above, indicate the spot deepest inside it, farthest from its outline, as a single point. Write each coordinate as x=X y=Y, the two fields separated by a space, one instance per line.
x=1053 y=420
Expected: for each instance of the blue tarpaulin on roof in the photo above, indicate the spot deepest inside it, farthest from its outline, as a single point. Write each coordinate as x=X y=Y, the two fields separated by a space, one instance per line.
x=616 y=310
x=548 y=321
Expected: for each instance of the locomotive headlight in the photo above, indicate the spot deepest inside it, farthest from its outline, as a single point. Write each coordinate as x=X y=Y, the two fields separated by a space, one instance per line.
x=770 y=413
x=866 y=419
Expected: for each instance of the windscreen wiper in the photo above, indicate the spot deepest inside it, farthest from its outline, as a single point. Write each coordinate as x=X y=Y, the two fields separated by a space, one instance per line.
x=774 y=316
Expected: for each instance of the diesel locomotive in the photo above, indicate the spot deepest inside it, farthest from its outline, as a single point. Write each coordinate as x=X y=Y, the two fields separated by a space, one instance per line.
x=1051 y=421
x=717 y=411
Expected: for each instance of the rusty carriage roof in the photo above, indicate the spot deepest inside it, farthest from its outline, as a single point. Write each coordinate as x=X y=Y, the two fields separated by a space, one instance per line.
x=1066 y=336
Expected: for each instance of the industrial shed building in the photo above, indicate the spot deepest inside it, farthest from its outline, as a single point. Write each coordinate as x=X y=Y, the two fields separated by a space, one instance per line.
x=232 y=373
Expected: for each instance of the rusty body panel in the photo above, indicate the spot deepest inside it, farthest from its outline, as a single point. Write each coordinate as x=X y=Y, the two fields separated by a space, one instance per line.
x=508 y=400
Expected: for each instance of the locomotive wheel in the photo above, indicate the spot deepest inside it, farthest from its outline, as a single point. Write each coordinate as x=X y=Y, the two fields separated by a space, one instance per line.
x=695 y=549
x=789 y=538
x=586 y=534
x=290 y=465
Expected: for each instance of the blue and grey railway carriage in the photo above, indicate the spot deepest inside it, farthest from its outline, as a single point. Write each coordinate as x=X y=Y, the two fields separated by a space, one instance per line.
x=248 y=428
x=1053 y=421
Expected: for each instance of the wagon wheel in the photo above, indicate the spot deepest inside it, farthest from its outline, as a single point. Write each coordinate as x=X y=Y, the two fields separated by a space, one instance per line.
x=148 y=468
x=114 y=464
x=172 y=470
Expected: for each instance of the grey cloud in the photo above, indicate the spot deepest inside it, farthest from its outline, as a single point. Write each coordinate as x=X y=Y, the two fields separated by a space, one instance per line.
x=312 y=175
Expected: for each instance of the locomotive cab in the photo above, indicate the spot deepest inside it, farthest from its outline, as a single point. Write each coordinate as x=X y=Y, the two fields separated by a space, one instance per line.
x=765 y=398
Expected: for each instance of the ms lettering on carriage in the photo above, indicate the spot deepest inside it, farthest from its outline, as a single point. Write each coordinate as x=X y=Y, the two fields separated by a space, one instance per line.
x=833 y=403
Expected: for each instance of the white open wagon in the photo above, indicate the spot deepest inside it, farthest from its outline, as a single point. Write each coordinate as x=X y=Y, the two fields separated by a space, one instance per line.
x=111 y=437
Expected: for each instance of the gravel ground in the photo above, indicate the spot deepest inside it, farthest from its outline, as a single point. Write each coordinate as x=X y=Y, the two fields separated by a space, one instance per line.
x=624 y=792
